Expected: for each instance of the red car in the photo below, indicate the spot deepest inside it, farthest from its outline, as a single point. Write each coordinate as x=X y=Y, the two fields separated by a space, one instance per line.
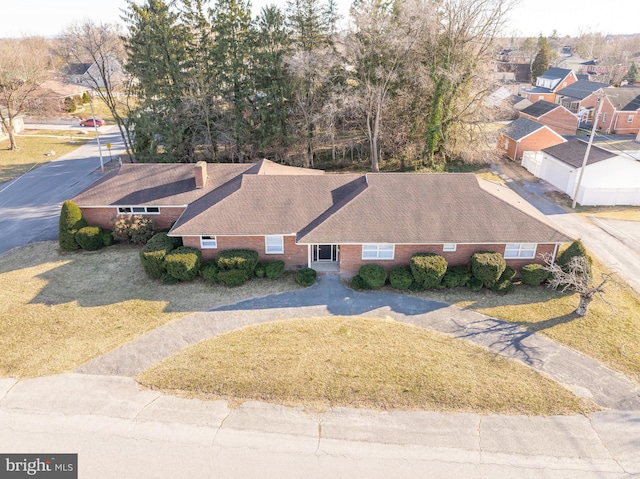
x=89 y=122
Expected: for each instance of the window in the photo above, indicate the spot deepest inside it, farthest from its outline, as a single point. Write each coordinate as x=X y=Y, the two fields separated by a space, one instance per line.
x=630 y=119
x=449 y=247
x=145 y=210
x=377 y=251
x=274 y=244
x=604 y=117
x=520 y=250
x=208 y=242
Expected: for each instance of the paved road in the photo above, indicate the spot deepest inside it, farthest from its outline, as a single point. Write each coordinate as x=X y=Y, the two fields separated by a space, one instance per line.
x=30 y=204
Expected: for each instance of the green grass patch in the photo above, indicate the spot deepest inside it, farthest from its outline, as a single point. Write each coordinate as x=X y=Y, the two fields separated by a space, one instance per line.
x=358 y=362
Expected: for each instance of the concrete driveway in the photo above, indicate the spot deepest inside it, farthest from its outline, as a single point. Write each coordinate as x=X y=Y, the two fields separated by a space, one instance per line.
x=30 y=204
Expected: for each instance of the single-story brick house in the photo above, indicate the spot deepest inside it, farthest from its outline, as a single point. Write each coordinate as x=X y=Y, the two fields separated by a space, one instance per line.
x=331 y=222
x=523 y=135
x=555 y=116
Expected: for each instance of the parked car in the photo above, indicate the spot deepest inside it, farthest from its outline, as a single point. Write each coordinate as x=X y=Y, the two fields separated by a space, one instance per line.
x=89 y=122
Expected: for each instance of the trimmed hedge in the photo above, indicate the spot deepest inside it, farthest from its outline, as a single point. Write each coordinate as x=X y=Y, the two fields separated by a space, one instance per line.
x=107 y=237
x=90 y=238
x=575 y=249
x=274 y=269
x=243 y=259
x=306 y=276
x=505 y=282
x=475 y=284
x=153 y=253
x=70 y=222
x=373 y=276
x=400 y=277
x=209 y=271
x=428 y=269
x=183 y=263
x=261 y=269
x=233 y=277
x=456 y=276
x=534 y=274
x=487 y=266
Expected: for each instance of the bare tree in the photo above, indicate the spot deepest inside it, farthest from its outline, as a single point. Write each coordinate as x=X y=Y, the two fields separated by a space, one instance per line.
x=102 y=46
x=576 y=277
x=23 y=66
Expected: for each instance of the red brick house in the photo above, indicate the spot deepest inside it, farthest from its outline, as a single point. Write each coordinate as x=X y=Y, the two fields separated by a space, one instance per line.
x=523 y=135
x=620 y=112
x=331 y=222
x=555 y=116
x=547 y=85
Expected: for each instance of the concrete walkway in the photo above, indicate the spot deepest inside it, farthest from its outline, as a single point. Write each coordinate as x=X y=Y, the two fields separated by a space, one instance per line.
x=582 y=375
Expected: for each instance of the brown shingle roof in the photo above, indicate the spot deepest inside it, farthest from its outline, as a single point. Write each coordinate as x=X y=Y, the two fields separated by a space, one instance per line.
x=572 y=152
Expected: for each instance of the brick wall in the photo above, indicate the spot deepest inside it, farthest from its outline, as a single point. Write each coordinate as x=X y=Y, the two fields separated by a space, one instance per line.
x=560 y=120
x=537 y=141
x=294 y=255
x=622 y=126
x=106 y=217
x=351 y=256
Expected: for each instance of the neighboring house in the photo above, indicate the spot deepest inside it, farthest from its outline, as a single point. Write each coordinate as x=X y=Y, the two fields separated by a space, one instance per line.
x=331 y=222
x=505 y=105
x=555 y=116
x=523 y=135
x=620 y=112
x=88 y=74
x=570 y=62
x=547 y=85
x=572 y=96
x=513 y=66
x=49 y=97
x=18 y=124
x=608 y=179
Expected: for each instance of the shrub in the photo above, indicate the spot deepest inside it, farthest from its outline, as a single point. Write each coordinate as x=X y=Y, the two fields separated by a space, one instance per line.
x=261 y=270
x=274 y=269
x=244 y=259
x=306 y=276
x=107 y=237
x=456 y=276
x=85 y=98
x=505 y=282
x=534 y=274
x=183 y=263
x=70 y=104
x=373 y=276
x=70 y=222
x=575 y=249
x=135 y=229
x=357 y=283
x=153 y=253
x=233 y=277
x=90 y=238
x=487 y=266
x=475 y=284
x=209 y=271
x=428 y=269
x=400 y=277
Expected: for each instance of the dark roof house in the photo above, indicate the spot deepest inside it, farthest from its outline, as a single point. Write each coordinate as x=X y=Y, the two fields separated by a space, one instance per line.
x=555 y=116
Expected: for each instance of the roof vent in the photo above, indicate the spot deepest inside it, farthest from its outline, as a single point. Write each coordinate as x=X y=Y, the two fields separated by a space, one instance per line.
x=201 y=174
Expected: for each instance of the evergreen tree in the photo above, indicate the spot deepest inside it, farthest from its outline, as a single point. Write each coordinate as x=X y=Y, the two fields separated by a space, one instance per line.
x=542 y=60
x=633 y=75
x=70 y=222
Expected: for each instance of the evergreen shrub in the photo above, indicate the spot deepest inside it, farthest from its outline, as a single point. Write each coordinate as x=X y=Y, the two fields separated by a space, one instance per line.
x=153 y=253
x=534 y=274
x=233 y=277
x=243 y=259
x=209 y=271
x=70 y=222
x=487 y=266
x=373 y=276
x=183 y=263
x=306 y=276
x=90 y=238
x=261 y=269
x=505 y=282
x=107 y=237
x=475 y=284
x=274 y=269
x=428 y=269
x=575 y=249
x=456 y=276
x=400 y=277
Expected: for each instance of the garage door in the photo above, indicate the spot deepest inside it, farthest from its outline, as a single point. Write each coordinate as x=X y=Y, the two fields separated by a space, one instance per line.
x=557 y=173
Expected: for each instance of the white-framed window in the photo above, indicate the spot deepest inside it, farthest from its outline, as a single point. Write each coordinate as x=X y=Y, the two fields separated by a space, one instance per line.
x=208 y=242
x=378 y=251
x=449 y=247
x=274 y=244
x=604 y=117
x=144 y=210
x=630 y=119
x=520 y=250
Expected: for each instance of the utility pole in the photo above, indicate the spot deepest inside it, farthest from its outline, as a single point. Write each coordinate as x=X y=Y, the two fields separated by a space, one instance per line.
x=601 y=97
x=95 y=127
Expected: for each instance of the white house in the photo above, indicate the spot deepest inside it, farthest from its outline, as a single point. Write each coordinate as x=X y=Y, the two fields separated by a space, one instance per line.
x=609 y=178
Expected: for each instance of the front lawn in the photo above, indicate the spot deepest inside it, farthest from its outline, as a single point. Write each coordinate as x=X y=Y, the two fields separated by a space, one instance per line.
x=58 y=311
x=358 y=362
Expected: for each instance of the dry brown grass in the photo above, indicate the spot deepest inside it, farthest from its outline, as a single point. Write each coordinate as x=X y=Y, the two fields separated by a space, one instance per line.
x=610 y=333
x=58 y=311
x=358 y=362
x=628 y=213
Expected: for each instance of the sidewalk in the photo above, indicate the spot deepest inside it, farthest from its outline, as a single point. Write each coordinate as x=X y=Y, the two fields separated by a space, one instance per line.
x=584 y=376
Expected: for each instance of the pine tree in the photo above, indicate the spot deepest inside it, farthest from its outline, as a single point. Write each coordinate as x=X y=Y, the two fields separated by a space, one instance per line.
x=633 y=75
x=542 y=60
x=69 y=223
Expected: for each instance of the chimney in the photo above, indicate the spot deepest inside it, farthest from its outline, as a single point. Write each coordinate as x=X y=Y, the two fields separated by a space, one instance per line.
x=201 y=174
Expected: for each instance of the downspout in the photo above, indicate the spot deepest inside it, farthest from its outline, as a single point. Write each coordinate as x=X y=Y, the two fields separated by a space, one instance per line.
x=515 y=154
x=555 y=253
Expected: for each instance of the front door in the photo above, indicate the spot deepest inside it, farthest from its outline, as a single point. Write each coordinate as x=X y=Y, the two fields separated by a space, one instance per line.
x=324 y=253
